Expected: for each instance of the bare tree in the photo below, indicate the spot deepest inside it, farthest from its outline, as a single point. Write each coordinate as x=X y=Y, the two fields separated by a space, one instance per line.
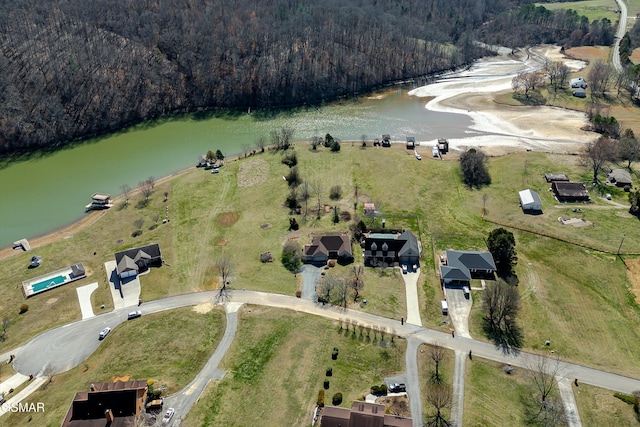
x=326 y=288
x=558 y=74
x=151 y=182
x=527 y=82
x=597 y=154
x=316 y=186
x=138 y=223
x=125 y=192
x=145 y=189
x=261 y=143
x=245 y=148
x=600 y=77
x=440 y=397
x=501 y=304
x=342 y=292
x=225 y=267
x=357 y=282
x=437 y=353
x=542 y=371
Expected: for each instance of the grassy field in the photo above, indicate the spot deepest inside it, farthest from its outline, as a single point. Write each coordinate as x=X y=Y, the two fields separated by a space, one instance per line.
x=276 y=367
x=151 y=347
x=599 y=407
x=426 y=369
x=592 y=9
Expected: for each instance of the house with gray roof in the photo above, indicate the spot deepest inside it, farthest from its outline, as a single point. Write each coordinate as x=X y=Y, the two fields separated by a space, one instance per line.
x=328 y=246
x=619 y=177
x=133 y=261
x=387 y=249
x=462 y=266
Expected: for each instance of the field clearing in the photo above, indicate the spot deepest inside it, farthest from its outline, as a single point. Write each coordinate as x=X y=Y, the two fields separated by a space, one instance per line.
x=592 y=9
x=278 y=360
x=181 y=356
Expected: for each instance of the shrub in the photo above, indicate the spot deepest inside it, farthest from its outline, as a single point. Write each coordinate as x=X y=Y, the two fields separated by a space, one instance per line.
x=326 y=384
x=334 y=353
x=298 y=294
x=136 y=233
x=24 y=308
x=379 y=390
x=320 y=401
x=627 y=188
x=345 y=216
x=628 y=399
x=335 y=193
x=293 y=177
x=337 y=399
x=335 y=146
x=329 y=371
x=290 y=159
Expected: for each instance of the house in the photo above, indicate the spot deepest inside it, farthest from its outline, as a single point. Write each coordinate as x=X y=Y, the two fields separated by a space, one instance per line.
x=361 y=414
x=132 y=261
x=387 y=249
x=550 y=177
x=411 y=142
x=108 y=404
x=578 y=82
x=462 y=266
x=619 y=177
x=202 y=161
x=386 y=140
x=580 y=93
x=328 y=246
x=530 y=201
x=570 y=191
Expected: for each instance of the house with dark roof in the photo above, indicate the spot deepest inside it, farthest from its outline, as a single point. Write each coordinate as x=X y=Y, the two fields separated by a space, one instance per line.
x=361 y=414
x=387 y=249
x=328 y=246
x=411 y=142
x=619 y=177
x=462 y=266
x=570 y=191
x=133 y=261
x=116 y=404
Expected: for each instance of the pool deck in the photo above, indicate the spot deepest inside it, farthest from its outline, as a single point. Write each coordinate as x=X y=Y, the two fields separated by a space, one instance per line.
x=27 y=285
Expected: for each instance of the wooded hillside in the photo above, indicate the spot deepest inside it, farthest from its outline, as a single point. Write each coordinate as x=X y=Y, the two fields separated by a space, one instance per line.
x=75 y=68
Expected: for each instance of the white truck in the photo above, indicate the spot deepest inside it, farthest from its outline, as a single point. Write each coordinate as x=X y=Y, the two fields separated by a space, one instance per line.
x=445 y=307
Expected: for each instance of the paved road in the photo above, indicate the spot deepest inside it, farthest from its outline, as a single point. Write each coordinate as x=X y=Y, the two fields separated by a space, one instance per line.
x=188 y=396
x=622 y=28
x=413 y=381
x=68 y=346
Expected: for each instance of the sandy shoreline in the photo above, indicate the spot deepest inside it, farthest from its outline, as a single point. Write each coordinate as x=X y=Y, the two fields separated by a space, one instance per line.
x=498 y=129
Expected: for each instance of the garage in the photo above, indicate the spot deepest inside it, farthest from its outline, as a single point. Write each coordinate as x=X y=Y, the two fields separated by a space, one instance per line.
x=530 y=201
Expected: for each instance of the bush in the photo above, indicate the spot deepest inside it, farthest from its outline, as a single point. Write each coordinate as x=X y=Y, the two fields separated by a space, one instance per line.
x=334 y=353
x=335 y=193
x=293 y=177
x=329 y=371
x=292 y=256
x=290 y=160
x=320 y=400
x=24 y=308
x=326 y=384
x=628 y=399
x=473 y=164
x=136 y=233
x=337 y=399
x=335 y=146
x=298 y=294
x=379 y=390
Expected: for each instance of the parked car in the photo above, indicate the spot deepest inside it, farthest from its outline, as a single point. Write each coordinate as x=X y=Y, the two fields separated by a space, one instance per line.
x=404 y=269
x=168 y=415
x=397 y=387
x=104 y=333
x=215 y=170
x=134 y=314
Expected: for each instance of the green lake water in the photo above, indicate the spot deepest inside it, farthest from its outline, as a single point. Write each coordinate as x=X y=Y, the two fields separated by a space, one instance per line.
x=41 y=194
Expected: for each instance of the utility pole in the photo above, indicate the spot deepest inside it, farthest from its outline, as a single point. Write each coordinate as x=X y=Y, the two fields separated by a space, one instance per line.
x=621 y=241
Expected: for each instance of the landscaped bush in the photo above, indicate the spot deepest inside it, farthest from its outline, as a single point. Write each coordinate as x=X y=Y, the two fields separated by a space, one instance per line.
x=298 y=294
x=337 y=399
x=320 y=400
x=290 y=159
x=334 y=353
x=326 y=384
x=24 y=308
x=380 y=390
x=329 y=371
x=292 y=256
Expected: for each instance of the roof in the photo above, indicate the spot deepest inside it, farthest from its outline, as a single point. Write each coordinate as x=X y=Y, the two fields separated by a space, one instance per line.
x=454 y=273
x=528 y=197
x=472 y=260
x=411 y=245
x=569 y=189
x=550 y=177
x=369 y=207
x=619 y=176
x=88 y=407
x=411 y=139
x=126 y=260
x=330 y=242
x=101 y=197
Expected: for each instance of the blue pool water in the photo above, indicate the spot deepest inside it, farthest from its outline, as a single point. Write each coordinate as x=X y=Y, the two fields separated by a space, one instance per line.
x=37 y=287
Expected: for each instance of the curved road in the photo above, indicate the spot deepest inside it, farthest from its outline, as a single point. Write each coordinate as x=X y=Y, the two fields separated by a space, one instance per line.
x=622 y=28
x=63 y=348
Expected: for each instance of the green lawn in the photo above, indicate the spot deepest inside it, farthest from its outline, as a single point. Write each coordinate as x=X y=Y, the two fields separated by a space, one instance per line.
x=592 y=9
x=277 y=364
x=599 y=407
x=151 y=347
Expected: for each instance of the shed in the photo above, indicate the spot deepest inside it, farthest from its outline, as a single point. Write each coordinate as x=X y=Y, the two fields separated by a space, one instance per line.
x=551 y=177
x=580 y=93
x=570 y=191
x=530 y=201
x=411 y=142
x=619 y=177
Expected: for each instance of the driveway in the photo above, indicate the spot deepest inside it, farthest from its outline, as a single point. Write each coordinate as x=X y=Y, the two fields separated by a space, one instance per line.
x=569 y=402
x=310 y=277
x=457 y=403
x=84 y=297
x=125 y=293
x=411 y=293
x=459 y=309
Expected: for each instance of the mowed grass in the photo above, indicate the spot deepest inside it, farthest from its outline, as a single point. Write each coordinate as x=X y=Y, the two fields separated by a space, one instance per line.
x=495 y=398
x=592 y=9
x=599 y=407
x=154 y=347
x=427 y=369
x=276 y=367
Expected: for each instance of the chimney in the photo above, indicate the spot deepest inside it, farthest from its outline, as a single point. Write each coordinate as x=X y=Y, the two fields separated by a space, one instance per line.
x=108 y=414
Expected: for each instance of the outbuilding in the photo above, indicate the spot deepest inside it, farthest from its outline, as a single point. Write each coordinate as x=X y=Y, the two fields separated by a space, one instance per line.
x=619 y=177
x=530 y=201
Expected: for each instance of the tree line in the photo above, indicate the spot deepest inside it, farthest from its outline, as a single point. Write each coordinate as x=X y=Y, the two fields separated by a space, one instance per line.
x=73 y=69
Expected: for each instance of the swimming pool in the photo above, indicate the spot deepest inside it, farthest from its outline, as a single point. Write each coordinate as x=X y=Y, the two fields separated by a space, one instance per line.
x=54 y=281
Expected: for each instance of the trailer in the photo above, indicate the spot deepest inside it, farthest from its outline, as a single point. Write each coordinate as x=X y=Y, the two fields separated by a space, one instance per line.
x=445 y=307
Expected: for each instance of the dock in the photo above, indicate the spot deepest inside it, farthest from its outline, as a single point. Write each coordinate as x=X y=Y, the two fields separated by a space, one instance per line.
x=22 y=244
x=99 y=201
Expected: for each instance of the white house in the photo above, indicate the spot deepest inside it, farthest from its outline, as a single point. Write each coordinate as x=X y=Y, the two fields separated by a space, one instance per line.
x=530 y=201
x=578 y=82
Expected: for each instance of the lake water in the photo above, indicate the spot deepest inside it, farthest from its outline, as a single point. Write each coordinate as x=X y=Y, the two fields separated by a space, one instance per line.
x=41 y=194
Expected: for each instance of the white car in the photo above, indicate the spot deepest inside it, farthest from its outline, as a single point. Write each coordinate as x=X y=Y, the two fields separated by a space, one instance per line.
x=168 y=415
x=104 y=333
x=134 y=314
